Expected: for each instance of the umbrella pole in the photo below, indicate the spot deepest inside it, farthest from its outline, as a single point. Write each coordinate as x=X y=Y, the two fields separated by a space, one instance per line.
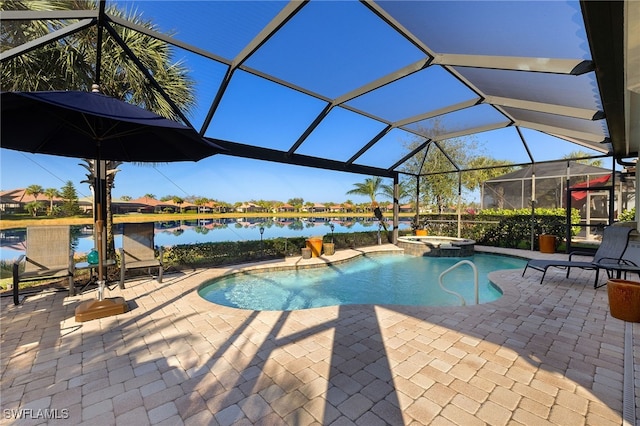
x=99 y=226
x=94 y=309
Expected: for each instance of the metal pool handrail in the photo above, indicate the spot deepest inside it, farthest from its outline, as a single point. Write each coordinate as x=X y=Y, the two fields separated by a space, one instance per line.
x=475 y=280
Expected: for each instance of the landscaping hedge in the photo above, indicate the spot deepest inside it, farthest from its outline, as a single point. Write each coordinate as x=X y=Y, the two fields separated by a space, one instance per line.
x=231 y=253
x=503 y=228
x=511 y=229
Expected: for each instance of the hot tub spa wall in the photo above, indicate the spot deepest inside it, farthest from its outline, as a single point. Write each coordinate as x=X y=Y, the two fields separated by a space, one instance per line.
x=424 y=248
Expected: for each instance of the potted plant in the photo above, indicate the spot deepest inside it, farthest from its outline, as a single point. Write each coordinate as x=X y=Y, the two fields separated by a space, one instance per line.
x=419 y=227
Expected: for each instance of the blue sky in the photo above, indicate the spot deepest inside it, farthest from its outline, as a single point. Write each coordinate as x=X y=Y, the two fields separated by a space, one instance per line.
x=262 y=113
x=219 y=177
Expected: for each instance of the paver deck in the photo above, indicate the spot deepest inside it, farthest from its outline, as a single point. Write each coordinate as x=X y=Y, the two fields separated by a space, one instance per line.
x=541 y=354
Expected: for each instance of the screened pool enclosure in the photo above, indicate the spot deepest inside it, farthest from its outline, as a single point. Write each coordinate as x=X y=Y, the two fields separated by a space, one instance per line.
x=367 y=87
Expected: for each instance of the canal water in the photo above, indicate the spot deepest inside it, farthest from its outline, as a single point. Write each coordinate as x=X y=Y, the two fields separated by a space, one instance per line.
x=170 y=233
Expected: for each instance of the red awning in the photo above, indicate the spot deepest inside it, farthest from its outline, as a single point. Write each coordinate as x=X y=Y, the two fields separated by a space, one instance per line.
x=580 y=195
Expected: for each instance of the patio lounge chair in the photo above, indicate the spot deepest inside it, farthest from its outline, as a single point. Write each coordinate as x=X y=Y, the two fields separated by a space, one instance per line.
x=610 y=252
x=629 y=263
x=48 y=255
x=138 y=250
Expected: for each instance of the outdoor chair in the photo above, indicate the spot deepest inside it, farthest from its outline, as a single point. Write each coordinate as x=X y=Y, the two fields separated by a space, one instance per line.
x=629 y=263
x=48 y=256
x=138 y=250
x=611 y=250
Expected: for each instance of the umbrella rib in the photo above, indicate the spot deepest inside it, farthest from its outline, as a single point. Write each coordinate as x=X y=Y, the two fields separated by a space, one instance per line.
x=92 y=130
x=106 y=135
x=99 y=134
x=62 y=122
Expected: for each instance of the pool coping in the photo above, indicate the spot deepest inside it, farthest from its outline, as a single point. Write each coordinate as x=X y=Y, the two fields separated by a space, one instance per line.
x=510 y=292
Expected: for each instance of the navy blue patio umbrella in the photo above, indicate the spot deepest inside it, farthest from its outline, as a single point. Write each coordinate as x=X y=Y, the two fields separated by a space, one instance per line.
x=85 y=125
x=95 y=126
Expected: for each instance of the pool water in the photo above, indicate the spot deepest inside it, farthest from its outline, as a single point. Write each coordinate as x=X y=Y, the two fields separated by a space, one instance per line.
x=372 y=279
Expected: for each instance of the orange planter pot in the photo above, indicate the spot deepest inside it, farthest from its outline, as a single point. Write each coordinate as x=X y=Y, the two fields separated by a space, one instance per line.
x=547 y=243
x=624 y=299
x=421 y=232
x=315 y=244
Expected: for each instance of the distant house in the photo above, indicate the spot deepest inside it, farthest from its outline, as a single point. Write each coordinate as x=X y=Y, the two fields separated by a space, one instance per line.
x=212 y=206
x=126 y=206
x=341 y=208
x=319 y=208
x=147 y=205
x=315 y=208
x=9 y=204
x=406 y=208
x=172 y=206
x=249 y=208
x=16 y=200
x=286 y=208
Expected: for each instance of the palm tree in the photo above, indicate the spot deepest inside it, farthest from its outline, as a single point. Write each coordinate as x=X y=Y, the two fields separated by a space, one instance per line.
x=582 y=157
x=370 y=188
x=51 y=193
x=179 y=201
x=34 y=190
x=403 y=191
x=70 y=64
x=34 y=206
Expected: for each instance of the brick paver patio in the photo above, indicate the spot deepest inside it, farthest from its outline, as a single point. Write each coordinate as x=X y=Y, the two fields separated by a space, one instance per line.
x=542 y=354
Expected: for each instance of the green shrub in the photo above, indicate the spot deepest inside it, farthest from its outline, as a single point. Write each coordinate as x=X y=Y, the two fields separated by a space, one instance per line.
x=358 y=239
x=231 y=253
x=628 y=215
x=503 y=228
x=513 y=231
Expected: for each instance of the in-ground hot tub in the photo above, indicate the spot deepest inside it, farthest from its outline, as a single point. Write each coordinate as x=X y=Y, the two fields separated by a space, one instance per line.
x=432 y=245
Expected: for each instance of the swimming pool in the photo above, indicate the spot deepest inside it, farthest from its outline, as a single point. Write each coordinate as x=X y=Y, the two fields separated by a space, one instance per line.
x=372 y=279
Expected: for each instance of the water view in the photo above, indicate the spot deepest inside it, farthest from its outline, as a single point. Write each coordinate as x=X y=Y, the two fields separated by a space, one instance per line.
x=170 y=233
